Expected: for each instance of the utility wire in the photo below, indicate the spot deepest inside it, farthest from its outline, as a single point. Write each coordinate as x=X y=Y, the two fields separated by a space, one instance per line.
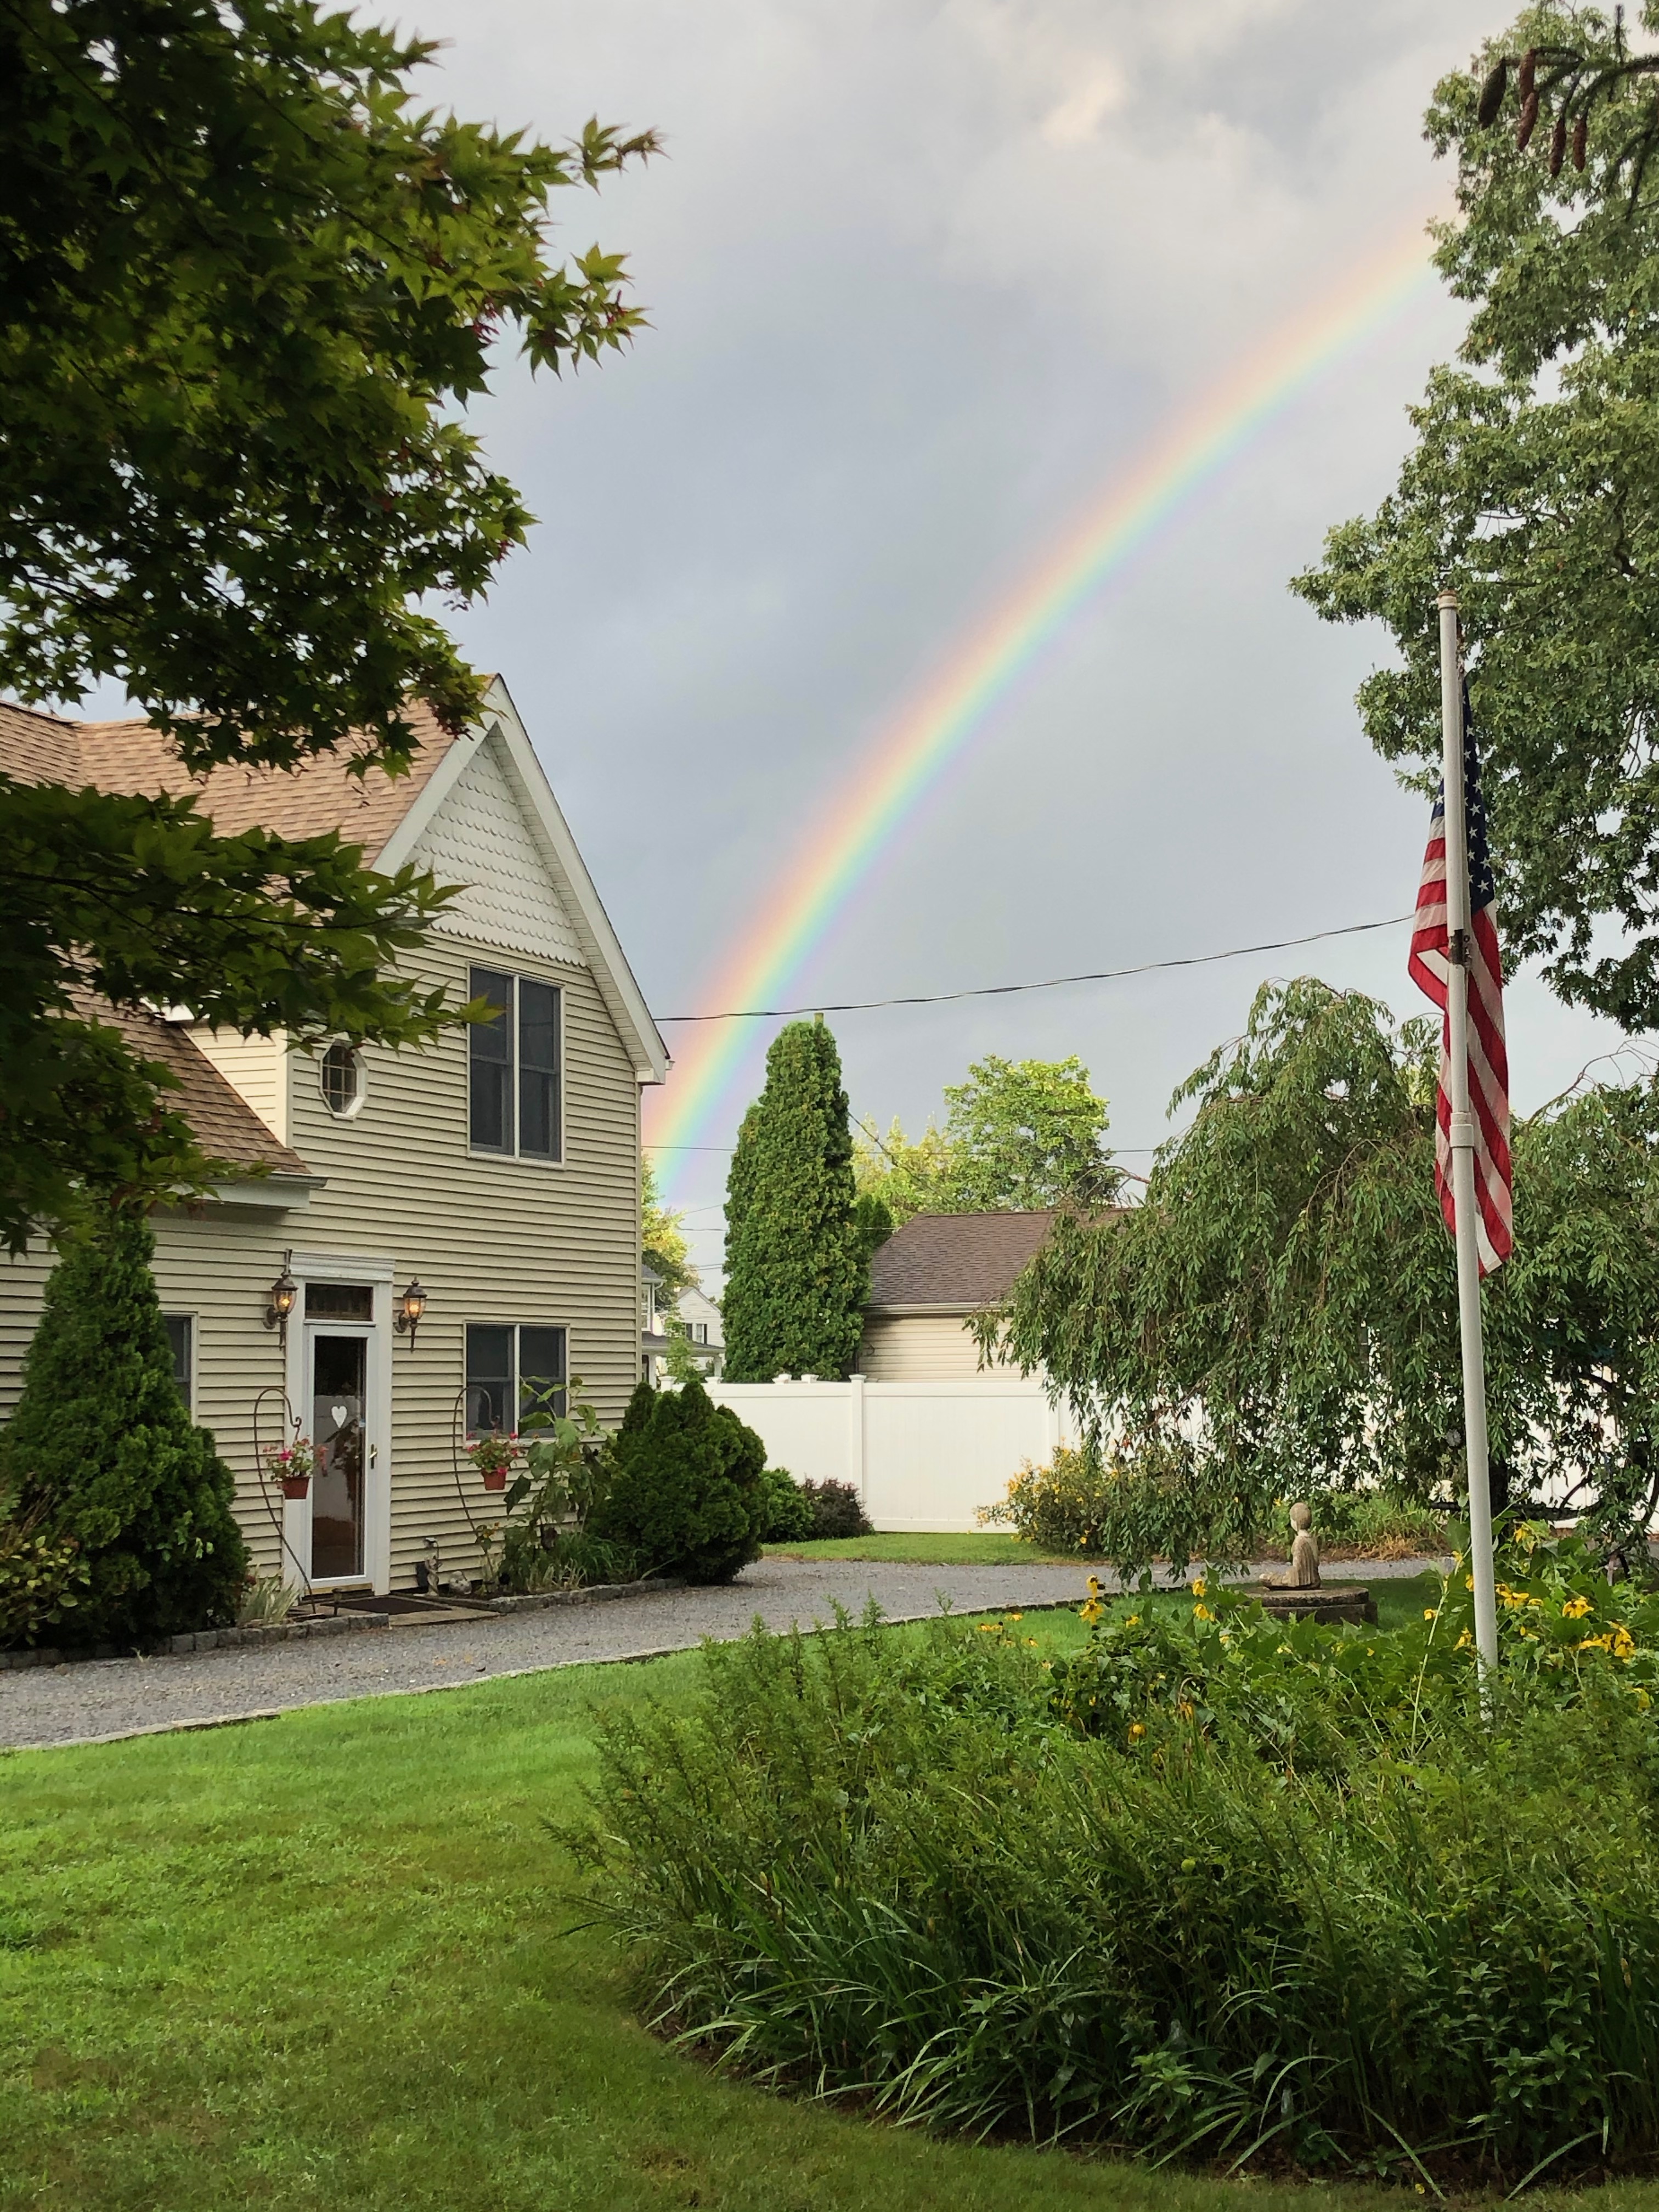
x=1050 y=983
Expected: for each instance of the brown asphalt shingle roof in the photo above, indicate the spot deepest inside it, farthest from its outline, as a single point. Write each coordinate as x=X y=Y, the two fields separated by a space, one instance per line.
x=226 y=1126
x=958 y=1260
x=301 y=802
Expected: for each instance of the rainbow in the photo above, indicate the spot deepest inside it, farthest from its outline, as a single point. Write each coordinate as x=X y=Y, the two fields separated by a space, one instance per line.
x=933 y=731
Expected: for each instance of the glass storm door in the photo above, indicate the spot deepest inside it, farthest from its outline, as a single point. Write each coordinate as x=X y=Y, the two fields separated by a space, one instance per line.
x=339 y=1382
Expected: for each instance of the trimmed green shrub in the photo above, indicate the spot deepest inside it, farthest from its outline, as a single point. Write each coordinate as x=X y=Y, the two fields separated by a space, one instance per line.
x=929 y=1873
x=796 y=1258
x=790 y=1518
x=687 y=1494
x=101 y=1449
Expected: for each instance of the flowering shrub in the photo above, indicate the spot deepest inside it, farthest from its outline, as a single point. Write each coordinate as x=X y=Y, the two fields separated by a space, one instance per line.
x=1060 y=1507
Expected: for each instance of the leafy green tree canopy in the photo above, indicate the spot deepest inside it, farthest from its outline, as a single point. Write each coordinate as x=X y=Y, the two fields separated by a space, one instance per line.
x=100 y=1451
x=796 y=1257
x=1019 y=1135
x=247 y=289
x=246 y=285
x=1533 y=489
x=1279 y=1315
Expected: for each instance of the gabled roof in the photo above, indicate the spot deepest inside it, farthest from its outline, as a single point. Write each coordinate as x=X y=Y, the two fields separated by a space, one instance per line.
x=953 y=1262
x=386 y=816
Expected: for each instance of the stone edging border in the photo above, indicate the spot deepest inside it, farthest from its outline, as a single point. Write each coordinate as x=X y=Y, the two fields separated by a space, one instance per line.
x=204 y=1639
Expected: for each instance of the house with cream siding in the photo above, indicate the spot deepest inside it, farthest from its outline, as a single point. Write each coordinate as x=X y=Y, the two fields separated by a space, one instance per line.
x=488 y=1182
x=929 y=1279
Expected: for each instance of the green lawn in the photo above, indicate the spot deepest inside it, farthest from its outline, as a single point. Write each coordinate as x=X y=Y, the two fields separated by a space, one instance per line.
x=991 y=1548
x=323 y=1962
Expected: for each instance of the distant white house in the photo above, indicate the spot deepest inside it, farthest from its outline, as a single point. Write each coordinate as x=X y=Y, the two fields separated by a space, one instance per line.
x=658 y=1309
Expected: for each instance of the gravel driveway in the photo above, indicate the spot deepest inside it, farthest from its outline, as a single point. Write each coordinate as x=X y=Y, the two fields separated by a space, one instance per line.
x=99 y=1699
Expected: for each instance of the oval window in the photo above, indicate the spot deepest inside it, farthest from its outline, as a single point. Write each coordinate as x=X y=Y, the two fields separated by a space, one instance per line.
x=343 y=1079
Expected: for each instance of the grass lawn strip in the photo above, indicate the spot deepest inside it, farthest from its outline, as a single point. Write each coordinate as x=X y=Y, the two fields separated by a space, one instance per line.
x=329 y=1962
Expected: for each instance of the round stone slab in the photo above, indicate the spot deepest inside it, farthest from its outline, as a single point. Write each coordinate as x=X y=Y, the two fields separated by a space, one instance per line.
x=1352 y=1603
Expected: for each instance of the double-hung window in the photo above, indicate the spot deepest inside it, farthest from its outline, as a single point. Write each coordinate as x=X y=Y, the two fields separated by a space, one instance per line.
x=516 y=1371
x=517 y=1066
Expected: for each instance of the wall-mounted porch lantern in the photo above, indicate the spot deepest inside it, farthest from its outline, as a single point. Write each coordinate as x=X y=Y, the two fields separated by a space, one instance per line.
x=284 y=1295
x=411 y=1304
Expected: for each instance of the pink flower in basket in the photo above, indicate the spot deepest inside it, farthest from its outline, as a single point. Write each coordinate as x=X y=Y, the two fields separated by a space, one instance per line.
x=495 y=1457
x=292 y=1465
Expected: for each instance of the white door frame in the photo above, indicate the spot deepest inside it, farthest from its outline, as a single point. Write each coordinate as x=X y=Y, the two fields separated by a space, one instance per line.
x=376 y=1270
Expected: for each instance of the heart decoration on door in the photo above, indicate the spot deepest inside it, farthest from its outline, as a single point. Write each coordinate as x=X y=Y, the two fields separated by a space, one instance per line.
x=338 y=1415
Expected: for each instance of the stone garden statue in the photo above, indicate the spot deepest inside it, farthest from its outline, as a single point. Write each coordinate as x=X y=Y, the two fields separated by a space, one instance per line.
x=1304 y=1555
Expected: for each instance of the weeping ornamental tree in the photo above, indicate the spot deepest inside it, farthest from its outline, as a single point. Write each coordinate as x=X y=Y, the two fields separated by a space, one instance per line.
x=796 y=1255
x=1279 y=1315
x=101 y=1449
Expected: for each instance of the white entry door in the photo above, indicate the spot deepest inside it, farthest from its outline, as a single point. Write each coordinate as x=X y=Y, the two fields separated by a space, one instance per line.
x=337 y=1358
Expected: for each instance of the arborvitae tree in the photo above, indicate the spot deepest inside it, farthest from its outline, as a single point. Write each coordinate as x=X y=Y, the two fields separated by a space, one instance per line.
x=687 y=1494
x=101 y=1441
x=796 y=1259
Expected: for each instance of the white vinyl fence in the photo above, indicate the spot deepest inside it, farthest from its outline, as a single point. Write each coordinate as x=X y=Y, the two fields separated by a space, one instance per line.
x=924 y=1455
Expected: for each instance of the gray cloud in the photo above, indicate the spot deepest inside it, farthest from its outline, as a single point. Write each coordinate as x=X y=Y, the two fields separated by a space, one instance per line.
x=924 y=281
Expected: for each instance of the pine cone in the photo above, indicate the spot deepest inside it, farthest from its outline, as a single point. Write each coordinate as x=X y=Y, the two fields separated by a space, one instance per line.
x=1524 y=82
x=1492 y=97
x=1558 y=145
x=1580 y=138
x=1528 y=122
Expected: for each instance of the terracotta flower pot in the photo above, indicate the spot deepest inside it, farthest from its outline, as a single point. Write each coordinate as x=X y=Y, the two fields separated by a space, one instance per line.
x=295 y=1486
x=495 y=1478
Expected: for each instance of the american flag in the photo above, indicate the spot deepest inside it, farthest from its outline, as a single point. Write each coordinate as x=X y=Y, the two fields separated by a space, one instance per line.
x=1489 y=1064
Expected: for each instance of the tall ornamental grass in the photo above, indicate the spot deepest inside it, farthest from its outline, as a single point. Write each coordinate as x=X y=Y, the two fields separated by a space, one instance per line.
x=1140 y=1900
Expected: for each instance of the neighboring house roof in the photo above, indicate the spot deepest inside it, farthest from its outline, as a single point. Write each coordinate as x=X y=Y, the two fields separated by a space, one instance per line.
x=226 y=1126
x=388 y=816
x=952 y=1263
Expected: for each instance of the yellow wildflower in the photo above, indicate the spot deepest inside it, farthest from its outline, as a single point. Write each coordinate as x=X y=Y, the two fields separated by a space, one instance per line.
x=1137 y=1728
x=1623 y=1643
x=1430 y=1613
x=990 y=1628
x=1464 y=1642
x=1014 y=1616
x=1184 y=1707
x=1090 y=1612
x=1575 y=1607
x=1133 y=1621
x=1200 y=1587
x=1202 y=1613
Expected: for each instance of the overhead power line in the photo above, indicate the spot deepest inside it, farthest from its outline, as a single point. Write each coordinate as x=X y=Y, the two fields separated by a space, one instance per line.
x=1048 y=983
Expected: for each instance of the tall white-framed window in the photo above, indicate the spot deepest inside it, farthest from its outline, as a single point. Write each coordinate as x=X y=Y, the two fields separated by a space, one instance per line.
x=516 y=1371
x=515 y=1104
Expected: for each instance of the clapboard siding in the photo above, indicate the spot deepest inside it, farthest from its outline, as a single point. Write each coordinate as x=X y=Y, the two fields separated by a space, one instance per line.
x=919 y=1347
x=254 y=1066
x=491 y=1240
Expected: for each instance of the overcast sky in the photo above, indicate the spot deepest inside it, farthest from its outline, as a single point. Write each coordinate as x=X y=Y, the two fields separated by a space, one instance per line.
x=924 y=280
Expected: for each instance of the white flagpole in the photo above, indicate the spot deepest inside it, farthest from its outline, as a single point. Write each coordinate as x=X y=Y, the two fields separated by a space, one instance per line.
x=1463 y=1134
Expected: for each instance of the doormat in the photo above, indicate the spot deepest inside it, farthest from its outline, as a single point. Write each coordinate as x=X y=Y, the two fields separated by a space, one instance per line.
x=406 y=1605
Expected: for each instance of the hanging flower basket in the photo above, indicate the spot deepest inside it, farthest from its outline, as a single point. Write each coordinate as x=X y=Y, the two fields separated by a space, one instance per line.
x=495 y=1457
x=291 y=1465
